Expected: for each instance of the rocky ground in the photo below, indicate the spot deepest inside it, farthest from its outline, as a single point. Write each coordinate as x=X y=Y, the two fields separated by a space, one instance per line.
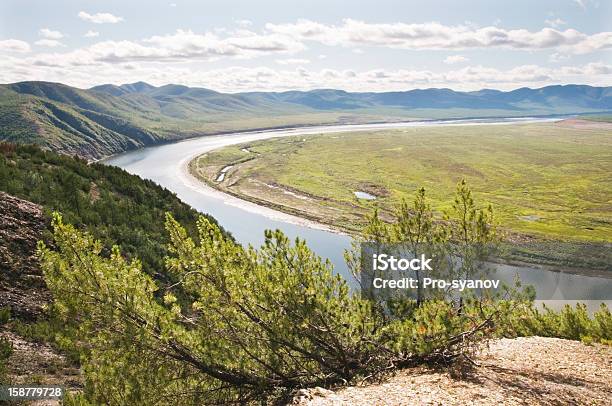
x=521 y=371
x=23 y=290
x=21 y=282
x=34 y=363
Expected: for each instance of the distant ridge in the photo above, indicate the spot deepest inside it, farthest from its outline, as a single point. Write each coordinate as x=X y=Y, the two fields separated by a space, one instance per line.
x=108 y=119
x=584 y=96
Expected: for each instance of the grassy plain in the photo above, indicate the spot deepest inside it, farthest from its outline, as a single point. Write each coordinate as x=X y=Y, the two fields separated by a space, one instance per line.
x=545 y=181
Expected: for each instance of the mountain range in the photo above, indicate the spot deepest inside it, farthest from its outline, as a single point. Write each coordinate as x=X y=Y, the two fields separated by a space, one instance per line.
x=109 y=119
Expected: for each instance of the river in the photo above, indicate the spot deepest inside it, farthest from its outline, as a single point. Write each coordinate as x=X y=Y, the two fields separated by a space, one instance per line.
x=166 y=165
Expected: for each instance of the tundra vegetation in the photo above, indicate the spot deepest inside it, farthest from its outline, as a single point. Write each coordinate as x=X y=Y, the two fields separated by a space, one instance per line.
x=244 y=324
x=550 y=183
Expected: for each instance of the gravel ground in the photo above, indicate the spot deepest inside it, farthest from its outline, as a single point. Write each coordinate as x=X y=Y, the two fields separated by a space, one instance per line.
x=34 y=363
x=522 y=371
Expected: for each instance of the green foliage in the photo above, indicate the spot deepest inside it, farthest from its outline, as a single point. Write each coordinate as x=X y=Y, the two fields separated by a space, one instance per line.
x=414 y=225
x=376 y=230
x=116 y=207
x=41 y=331
x=469 y=224
x=258 y=320
x=466 y=231
x=572 y=323
x=471 y=233
x=440 y=331
x=48 y=330
x=5 y=315
x=75 y=399
x=255 y=322
x=415 y=230
x=6 y=349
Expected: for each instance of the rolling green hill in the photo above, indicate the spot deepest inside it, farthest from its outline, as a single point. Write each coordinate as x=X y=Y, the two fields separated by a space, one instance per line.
x=108 y=119
x=69 y=120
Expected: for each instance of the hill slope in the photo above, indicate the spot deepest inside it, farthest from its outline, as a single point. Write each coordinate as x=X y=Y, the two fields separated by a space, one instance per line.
x=23 y=295
x=108 y=119
x=116 y=207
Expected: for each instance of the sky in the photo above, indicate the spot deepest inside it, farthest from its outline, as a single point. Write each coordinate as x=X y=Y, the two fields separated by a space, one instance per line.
x=237 y=46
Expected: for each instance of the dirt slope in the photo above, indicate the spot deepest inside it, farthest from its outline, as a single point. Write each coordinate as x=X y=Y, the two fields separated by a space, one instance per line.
x=22 y=286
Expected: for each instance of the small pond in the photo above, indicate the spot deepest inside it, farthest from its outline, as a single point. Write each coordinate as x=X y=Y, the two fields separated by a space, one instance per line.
x=364 y=195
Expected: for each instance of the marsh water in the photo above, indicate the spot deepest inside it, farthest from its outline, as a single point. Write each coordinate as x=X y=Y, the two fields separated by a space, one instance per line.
x=166 y=165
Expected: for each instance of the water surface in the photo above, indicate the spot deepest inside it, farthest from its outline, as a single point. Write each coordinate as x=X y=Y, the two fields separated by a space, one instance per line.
x=364 y=195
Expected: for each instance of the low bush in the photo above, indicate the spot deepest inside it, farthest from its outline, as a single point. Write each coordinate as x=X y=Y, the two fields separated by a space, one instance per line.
x=6 y=349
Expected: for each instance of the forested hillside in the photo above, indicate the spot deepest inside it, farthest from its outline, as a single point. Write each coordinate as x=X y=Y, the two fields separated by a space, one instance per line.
x=109 y=119
x=106 y=120
x=116 y=207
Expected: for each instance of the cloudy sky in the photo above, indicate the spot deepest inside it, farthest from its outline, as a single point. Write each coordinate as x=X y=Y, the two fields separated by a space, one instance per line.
x=379 y=45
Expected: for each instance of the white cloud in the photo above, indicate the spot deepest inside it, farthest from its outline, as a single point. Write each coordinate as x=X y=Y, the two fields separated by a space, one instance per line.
x=172 y=4
x=100 y=18
x=558 y=57
x=51 y=43
x=179 y=46
x=452 y=59
x=236 y=79
x=180 y=56
x=556 y=23
x=187 y=44
x=14 y=45
x=438 y=36
x=244 y=23
x=598 y=68
x=91 y=34
x=358 y=51
x=50 y=34
x=468 y=78
x=585 y=3
x=293 y=61
x=581 y=3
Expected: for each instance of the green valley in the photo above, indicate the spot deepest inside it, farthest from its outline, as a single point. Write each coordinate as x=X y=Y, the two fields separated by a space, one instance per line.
x=549 y=183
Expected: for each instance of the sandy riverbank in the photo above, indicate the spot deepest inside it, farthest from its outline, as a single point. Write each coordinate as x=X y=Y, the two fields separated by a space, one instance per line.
x=197 y=184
